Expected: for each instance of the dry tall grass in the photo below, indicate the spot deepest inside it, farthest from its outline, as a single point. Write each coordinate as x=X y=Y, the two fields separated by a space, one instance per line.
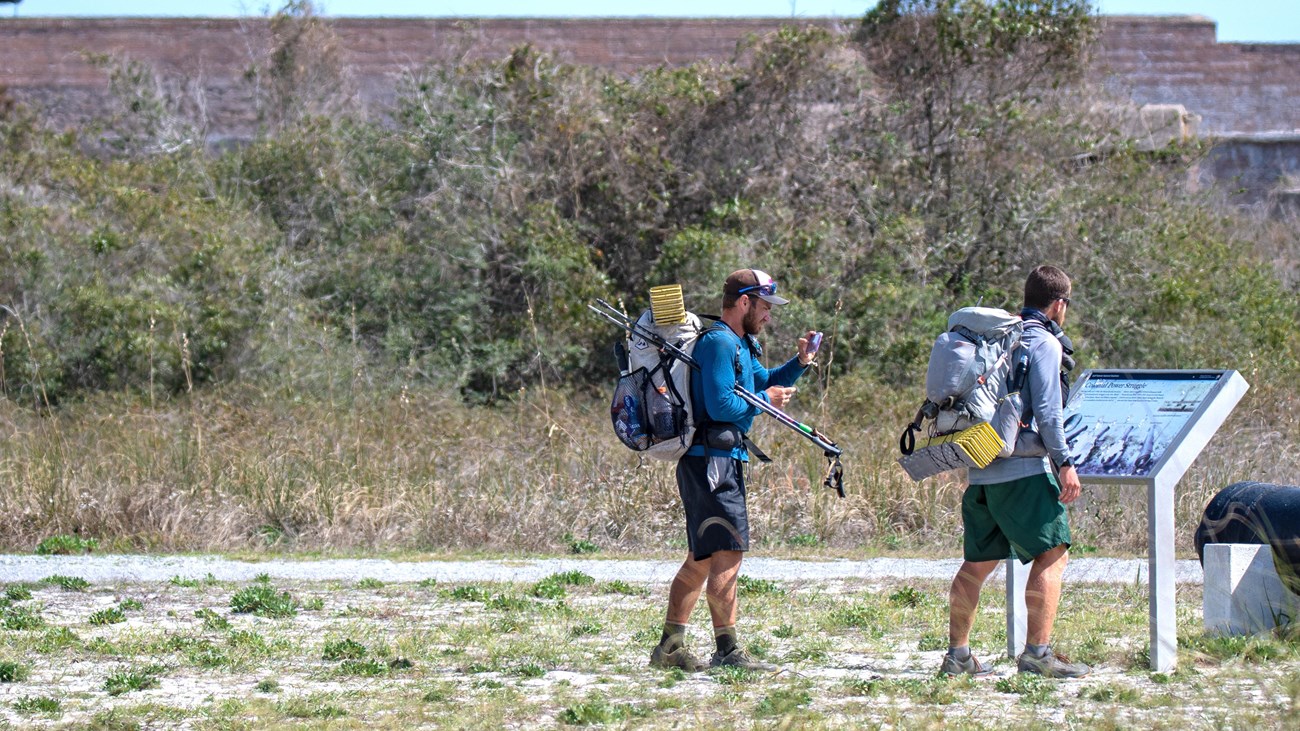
x=419 y=471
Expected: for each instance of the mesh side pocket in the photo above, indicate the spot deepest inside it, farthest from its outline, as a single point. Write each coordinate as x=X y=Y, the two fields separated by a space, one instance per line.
x=627 y=410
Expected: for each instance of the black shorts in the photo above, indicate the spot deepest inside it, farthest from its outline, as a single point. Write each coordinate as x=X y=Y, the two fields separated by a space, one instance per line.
x=713 y=497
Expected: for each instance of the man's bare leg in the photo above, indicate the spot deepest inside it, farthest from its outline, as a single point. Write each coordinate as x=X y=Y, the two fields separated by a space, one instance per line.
x=724 y=570
x=683 y=595
x=685 y=590
x=964 y=599
x=1043 y=594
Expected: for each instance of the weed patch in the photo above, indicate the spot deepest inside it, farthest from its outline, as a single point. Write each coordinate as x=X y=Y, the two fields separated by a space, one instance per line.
x=783 y=702
x=67 y=583
x=262 y=600
x=595 y=711
x=126 y=681
x=1032 y=689
x=747 y=586
x=65 y=546
x=580 y=546
x=18 y=592
x=212 y=620
x=13 y=672
x=469 y=593
x=33 y=704
x=344 y=649
x=112 y=615
x=193 y=583
x=20 y=618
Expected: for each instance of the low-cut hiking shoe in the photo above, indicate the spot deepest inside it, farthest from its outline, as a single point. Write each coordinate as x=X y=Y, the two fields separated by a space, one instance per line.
x=738 y=658
x=1051 y=665
x=969 y=666
x=679 y=658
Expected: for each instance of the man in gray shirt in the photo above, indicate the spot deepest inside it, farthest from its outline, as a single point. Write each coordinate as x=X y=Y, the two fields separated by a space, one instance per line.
x=1015 y=507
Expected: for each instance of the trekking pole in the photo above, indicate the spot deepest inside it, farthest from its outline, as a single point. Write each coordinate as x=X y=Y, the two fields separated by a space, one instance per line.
x=835 y=469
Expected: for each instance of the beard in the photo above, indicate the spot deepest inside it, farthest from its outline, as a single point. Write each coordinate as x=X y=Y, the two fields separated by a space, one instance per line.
x=752 y=323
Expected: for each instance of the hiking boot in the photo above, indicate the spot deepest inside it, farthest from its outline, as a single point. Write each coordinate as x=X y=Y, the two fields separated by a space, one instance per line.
x=970 y=666
x=679 y=658
x=738 y=658
x=1051 y=665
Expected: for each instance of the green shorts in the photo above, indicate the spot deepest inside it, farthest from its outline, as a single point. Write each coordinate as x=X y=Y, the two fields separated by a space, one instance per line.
x=1017 y=519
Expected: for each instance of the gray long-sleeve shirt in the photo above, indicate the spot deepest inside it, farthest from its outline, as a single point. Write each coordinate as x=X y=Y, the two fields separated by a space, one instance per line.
x=1041 y=395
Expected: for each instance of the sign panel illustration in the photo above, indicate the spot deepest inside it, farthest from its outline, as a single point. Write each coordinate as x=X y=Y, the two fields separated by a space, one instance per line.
x=1120 y=424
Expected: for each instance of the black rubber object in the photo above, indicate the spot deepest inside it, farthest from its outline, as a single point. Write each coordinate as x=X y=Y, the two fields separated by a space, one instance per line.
x=1260 y=513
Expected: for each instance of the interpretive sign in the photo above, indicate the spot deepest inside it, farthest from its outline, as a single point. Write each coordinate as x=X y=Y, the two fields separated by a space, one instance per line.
x=1123 y=423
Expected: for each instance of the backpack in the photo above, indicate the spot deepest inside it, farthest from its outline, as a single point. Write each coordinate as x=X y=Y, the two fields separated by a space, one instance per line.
x=651 y=407
x=972 y=394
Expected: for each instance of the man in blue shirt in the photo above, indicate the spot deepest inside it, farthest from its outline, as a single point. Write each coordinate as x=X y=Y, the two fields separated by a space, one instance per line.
x=710 y=477
x=1015 y=507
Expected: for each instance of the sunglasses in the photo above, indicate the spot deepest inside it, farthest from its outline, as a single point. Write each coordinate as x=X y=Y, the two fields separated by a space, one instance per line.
x=1066 y=300
x=764 y=290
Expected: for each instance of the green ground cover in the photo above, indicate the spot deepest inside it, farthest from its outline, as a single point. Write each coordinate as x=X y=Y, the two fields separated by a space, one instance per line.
x=569 y=651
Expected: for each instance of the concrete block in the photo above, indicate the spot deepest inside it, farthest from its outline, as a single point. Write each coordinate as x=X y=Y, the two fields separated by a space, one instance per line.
x=1243 y=594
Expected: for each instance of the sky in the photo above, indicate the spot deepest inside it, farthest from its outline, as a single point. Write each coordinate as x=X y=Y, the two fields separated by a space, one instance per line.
x=1238 y=20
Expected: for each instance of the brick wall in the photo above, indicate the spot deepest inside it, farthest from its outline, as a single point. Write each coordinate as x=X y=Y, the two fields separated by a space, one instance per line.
x=1235 y=88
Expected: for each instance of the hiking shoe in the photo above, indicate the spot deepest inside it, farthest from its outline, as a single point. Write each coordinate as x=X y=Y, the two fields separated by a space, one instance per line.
x=1051 y=665
x=738 y=658
x=969 y=666
x=679 y=658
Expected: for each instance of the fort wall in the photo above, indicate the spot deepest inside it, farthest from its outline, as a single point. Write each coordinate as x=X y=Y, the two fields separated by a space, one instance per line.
x=1239 y=91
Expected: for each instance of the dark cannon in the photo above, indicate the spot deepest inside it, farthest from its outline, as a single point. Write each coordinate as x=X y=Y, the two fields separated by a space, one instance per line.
x=1261 y=513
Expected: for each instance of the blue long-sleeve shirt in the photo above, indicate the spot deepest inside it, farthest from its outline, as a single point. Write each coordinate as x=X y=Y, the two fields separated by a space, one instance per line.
x=725 y=362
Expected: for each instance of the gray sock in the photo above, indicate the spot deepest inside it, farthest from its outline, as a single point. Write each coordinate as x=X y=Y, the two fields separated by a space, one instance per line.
x=1038 y=650
x=961 y=653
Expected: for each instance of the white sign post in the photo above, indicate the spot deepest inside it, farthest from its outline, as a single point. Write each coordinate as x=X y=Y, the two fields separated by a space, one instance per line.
x=1141 y=427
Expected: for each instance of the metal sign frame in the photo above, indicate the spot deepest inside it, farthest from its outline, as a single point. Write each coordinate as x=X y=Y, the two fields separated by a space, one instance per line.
x=1173 y=414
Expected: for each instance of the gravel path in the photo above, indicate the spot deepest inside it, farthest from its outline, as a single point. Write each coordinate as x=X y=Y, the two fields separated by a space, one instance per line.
x=142 y=569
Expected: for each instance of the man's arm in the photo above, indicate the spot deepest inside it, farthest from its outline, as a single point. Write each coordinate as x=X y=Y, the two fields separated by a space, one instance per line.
x=1049 y=418
x=787 y=373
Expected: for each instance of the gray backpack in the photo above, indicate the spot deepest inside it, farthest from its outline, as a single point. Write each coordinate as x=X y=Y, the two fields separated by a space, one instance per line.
x=973 y=379
x=651 y=407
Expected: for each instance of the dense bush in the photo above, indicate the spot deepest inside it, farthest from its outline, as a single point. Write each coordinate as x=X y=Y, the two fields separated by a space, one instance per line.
x=924 y=162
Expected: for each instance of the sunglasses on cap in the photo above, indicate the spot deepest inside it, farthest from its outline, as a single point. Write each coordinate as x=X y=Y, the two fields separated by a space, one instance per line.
x=763 y=290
